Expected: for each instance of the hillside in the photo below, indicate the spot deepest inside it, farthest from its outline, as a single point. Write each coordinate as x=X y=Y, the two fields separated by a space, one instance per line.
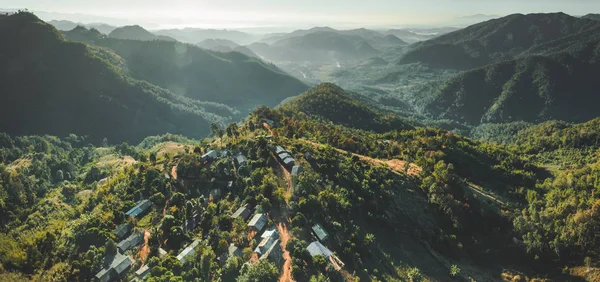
x=51 y=86
x=195 y=35
x=495 y=40
x=205 y=75
x=318 y=46
x=64 y=25
x=332 y=103
x=592 y=17
x=215 y=43
x=532 y=89
x=136 y=32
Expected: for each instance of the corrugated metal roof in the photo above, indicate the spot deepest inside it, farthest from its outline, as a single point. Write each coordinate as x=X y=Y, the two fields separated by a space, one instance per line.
x=316 y=248
x=243 y=212
x=188 y=251
x=140 y=208
x=122 y=230
x=320 y=231
x=258 y=221
x=297 y=169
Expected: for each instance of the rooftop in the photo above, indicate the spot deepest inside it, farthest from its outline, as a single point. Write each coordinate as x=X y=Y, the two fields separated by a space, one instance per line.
x=320 y=231
x=258 y=221
x=316 y=248
x=241 y=212
x=119 y=264
x=296 y=170
x=189 y=250
x=140 y=208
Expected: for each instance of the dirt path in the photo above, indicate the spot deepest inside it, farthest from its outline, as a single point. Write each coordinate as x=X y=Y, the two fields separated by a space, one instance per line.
x=284 y=236
x=287 y=176
x=174 y=172
x=266 y=125
x=145 y=250
x=396 y=165
x=165 y=208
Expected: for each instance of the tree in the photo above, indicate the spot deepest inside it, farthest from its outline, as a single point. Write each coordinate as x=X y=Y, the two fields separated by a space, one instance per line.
x=263 y=271
x=59 y=175
x=454 y=270
x=414 y=274
x=320 y=262
x=588 y=263
x=104 y=142
x=216 y=130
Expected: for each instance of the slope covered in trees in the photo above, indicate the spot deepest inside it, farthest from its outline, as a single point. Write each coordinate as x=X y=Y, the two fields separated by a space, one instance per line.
x=533 y=89
x=231 y=78
x=58 y=87
x=496 y=40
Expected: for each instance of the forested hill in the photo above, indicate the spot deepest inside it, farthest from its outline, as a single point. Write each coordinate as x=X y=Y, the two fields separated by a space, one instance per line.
x=563 y=86
x=332 y=103
x=51 y=86
x=231 y=78
x=496 y=40
x=136 y=32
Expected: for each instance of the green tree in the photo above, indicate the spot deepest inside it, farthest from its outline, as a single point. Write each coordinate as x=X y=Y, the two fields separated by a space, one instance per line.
x=263 y=271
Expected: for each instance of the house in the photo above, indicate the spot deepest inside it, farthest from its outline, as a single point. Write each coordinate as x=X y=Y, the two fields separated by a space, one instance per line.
x=296 y=170
x=279 y=150
x=122 y=230
x=131 y=241
x=316 y=248
x=289 y=162
x=242 y=212
x=188 y=251
x=140 y=208
x=230 y=185
x=142 y=272
x=284 y=155
x=274 y=253
x=320 y=232
x=234 y=251
x=162 y=252
x=258 y=222
x=211 y=155
x=268 y=239
x=240 y=160
x=119 y=265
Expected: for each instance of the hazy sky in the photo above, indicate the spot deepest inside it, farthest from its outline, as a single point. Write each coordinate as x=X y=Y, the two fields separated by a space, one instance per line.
x=238 y=13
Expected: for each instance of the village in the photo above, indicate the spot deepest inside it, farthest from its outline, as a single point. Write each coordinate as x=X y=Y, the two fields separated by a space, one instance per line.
x=262 y=229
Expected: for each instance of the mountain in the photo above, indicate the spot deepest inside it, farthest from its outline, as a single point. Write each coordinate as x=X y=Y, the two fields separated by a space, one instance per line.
x=82 y=34
x=216 y=43
x=332 y=103
x=412 y=35
x=136 y=32
x=495 y=40
x=319 y=46
x=205 y=75
x=53 y=86
x=592 y=17
x=195 y=35
x=533 y=89
x=64 y=25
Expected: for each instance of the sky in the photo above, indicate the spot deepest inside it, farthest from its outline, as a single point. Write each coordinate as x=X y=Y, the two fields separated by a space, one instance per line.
x=292 y=13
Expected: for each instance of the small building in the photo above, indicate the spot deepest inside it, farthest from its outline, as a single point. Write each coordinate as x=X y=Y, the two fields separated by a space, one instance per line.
x=162 y=252
x=316 y=248
x=230 y=185
x=296 y=170
x=242 y=212
x=167 y=176
x=140 y=208
x=211 y=155
x=142 y=272
x=240 y=160
x=234 y=251
x=133 y=240
x=274 y=253
x=269 y=137
x=284 y=155
x=122 y=230
x=279 y=150
x=188 y=251
x=268 y=238
x=320 y=232
x=269 y=122
x=258 y=222
x=116 y=269
x=289 y=162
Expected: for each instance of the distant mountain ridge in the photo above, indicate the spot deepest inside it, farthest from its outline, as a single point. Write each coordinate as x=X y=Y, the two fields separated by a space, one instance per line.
x=195 y=35
x=65 y=25
x=495 y=40
x=53 y=86
x=233 y=79
x=136 y=32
